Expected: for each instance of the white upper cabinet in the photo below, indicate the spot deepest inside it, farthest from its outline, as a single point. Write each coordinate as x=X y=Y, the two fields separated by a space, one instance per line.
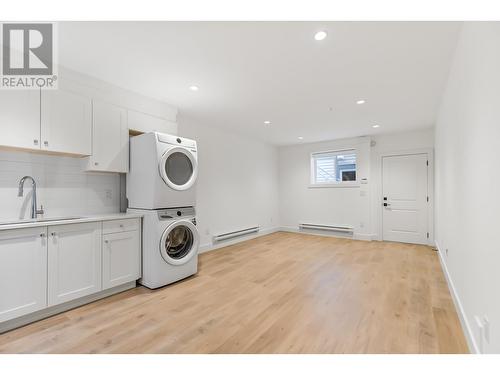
x=66 y=122
x=20 y=118
x=23 y=272
x=109 y=138
x=144 y=123
x=74 y=261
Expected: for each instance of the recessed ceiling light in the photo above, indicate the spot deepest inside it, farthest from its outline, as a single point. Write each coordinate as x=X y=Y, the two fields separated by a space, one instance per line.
x=376 y=126
x=267 y=122
x=194 y=88
x=300 y=138
x=360 y=101
x=320 y=35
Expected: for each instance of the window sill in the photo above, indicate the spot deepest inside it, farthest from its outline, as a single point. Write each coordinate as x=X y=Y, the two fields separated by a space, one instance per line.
x=339 y=185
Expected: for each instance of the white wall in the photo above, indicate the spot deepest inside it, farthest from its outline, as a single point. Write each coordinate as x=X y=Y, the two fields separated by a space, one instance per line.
x=237 y=184
x=343 y=206
x=359 y=207
x=467 y=179
x=63 y=188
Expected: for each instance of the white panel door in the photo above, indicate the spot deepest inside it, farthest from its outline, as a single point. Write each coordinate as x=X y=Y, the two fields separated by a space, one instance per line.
x=109 y=138
x=66 y=122
x=405 y=206
x=74 y=261
x=23 y=272
x=20 y=118
x=121 y=258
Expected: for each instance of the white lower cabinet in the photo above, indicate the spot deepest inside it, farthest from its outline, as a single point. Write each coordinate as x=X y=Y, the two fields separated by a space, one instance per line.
x=47 y=266
x=121 y=258
x=23 y=272
x=74 y=261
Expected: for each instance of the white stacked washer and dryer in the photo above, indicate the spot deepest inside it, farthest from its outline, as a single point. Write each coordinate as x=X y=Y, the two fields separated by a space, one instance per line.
x=161 y=186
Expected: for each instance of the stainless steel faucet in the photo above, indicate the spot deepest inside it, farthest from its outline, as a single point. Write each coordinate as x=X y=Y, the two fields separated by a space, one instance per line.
x=34 y=210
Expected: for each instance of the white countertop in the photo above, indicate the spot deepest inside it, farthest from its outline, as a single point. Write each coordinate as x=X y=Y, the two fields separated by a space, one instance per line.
x=73 y=219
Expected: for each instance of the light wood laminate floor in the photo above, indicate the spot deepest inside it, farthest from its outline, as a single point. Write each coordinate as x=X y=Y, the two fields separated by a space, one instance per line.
x=280 y=293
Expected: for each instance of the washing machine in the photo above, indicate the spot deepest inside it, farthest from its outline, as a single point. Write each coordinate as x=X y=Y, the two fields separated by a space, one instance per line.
x=163 y=171
x=170 y=243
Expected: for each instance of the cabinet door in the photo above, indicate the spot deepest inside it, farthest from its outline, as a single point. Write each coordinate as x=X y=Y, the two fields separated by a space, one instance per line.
x=20 y=118
x=144 y=123
x=74 y=261
x=66 y=122
x=23 y=272
x=109 y=138
x=121 y=258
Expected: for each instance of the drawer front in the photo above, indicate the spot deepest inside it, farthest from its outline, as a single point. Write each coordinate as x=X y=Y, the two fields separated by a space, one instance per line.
x=121 y=225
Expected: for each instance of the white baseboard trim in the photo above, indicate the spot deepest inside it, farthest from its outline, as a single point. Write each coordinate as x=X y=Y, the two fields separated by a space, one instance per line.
x=324 y=233
x=210 y=246
x=471 y=341
x=363 y=237
x=53 y=310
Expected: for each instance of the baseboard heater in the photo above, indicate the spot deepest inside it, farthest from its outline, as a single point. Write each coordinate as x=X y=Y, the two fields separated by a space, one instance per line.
x=237 y=233
x=333 y=228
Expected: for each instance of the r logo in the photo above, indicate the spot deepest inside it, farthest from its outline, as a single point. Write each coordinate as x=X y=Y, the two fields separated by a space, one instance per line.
x=27 y=49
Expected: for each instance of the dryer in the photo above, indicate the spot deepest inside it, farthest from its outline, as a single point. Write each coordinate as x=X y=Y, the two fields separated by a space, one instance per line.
x=163 y=171
x=170 y=244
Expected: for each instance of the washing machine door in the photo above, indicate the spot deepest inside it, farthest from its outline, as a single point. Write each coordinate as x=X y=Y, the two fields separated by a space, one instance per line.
x=178 y=168
x=179 y=242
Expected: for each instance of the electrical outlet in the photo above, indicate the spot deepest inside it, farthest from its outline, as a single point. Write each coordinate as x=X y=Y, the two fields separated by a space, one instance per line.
x=109 y=194
x=486 y=328
x=483 y=333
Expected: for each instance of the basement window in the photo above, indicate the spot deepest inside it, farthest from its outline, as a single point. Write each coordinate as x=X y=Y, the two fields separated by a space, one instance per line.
x=333 y=168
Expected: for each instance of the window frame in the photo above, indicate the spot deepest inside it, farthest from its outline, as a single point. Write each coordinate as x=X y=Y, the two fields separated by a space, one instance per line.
x=337 y=184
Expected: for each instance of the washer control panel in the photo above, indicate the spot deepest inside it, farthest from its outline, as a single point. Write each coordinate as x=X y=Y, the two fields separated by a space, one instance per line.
x=176 y=213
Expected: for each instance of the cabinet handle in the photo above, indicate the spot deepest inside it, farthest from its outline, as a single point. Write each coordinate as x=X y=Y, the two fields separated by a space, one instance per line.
x=53 y=234
x=42 y=235
x=35 y=142
x=96 y=163
x=106 y=241
x=46 y=143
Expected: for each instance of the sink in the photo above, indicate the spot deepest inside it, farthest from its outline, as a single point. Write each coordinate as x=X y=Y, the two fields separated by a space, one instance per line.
x=41 y=220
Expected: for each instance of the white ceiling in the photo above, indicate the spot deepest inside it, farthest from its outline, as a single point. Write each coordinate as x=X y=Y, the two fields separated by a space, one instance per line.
x=249 y=72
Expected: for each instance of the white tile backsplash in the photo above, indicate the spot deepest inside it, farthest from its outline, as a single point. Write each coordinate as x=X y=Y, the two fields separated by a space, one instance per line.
x=63 y=186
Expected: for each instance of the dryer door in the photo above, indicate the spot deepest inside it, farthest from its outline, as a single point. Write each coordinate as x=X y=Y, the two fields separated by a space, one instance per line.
x=178 y=168
x=179 y=242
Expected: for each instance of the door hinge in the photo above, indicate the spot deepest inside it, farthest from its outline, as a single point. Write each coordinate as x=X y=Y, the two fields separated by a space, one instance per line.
x=427 y=234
